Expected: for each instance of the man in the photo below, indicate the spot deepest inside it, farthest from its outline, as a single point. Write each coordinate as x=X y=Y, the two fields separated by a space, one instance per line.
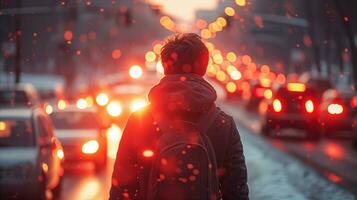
x=181 y=94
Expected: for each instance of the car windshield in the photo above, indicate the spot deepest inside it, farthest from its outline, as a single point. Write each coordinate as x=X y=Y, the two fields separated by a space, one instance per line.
x=16 y=132
x=13 y=97
x=75 y=120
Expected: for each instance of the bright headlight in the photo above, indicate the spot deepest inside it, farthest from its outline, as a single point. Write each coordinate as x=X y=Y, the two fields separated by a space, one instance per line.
x=114 y=109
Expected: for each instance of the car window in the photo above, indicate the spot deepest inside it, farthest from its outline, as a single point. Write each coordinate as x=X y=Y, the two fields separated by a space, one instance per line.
x=16 y=132
x=13 y=97
x=75 y=120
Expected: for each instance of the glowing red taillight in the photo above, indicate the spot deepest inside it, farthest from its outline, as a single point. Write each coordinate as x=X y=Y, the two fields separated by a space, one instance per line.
x=277 y=106
x=309 y=106
x=335 y=109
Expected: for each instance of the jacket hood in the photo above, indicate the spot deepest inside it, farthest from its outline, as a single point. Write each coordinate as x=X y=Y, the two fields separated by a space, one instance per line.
x=182 y=93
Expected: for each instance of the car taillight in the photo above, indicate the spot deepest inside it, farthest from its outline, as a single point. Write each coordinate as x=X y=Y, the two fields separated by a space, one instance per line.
x=60 y=154
x=114 y=109
x=268 y=94
x=277 y=106
x=259 y=92
x=354 y=102
x=309 y=106
x=335 y=109
x=296 y=87
x=102 y=99
x=90 y=147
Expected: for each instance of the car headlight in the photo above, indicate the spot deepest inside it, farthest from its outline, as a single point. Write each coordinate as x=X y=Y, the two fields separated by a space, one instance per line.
x=114 y=109
x=137 y=104
x=90 y=147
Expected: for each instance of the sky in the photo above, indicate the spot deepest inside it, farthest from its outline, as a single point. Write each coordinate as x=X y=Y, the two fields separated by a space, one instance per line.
x=185 y=9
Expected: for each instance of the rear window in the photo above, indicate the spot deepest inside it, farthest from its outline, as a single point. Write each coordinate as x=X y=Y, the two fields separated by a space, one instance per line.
x=13 y=97
x=75 y=120
x=16 y=133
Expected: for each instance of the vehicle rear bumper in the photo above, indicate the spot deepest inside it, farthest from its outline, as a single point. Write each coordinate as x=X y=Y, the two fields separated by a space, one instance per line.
x=291 y=121
x=74 y=153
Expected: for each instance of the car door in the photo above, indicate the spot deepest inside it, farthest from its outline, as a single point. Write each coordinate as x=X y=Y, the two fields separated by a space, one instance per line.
x=47 y=150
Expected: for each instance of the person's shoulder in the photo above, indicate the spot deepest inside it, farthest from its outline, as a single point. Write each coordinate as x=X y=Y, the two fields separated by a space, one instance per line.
x=224 y=115
x=140 y=116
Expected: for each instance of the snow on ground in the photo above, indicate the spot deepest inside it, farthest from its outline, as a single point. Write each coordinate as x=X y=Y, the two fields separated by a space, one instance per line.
x=275 y=175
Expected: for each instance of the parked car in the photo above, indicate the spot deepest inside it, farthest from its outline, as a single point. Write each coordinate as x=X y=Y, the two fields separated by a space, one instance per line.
x=292 y=106
x=338 y=112
x=31 y=157
x=82 y=134
x=19 y=95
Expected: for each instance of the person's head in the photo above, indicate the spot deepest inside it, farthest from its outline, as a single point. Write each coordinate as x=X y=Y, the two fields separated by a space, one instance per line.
x=185 y=53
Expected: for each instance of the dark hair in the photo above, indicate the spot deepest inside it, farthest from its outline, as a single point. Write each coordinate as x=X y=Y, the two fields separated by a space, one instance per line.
x=185 y=53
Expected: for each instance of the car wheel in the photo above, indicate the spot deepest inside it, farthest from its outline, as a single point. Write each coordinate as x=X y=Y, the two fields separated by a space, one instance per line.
x=41 y=193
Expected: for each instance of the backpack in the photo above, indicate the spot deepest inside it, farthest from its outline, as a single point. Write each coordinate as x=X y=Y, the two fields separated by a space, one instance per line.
x=185 y=165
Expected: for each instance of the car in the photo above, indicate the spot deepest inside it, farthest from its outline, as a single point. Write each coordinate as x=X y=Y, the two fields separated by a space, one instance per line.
x=19 y=95
x=338 y=113
x=292 y=106
x=123 y=99
x=258 y=92
x=31 y=157
x=82 y=134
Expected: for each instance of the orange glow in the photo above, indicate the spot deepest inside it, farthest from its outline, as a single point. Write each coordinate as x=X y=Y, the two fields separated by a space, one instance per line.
x=231 y=57
x=167 y=23
x=157 y=48
x=221 y=76
x=241 y=2
x=2 y=126
x=229 y=11
x=354 y=102
x=61 y=104
x=268 y=94
x=296 y=87
x=48 y=109
x=201 y=24
x=114 y=134
x=265 y=69
x=334 y=150
x=135 y=71
x=159 y=67
x=221 y=21
x=335 y=109
x=116 y=53
x=309 y=106
x=137 y=104
x=68 y=35
x=218 y=59
x=246 y=59
x=90 y=147
x=148 y=153
x=60 y=154
x=281 y=79
x=259 y=92
x=206 y=34
x=102 y=99
x=277 y=105
x=89 y=101
x=265 y=82
x=114 y=109
x=150 y=56
x=231 y=87
x=236 y=75
x=82 y=103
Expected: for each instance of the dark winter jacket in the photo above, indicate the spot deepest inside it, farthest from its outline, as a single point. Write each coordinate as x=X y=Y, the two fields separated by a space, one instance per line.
x=186 y=96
